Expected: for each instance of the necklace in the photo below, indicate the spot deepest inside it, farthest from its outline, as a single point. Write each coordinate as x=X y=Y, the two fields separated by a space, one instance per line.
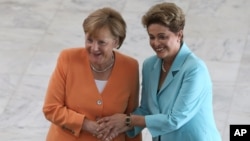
x=162 y=67
x=105 y=69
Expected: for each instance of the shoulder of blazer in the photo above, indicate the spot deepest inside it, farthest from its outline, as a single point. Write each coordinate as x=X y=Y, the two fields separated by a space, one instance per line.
x=71 y=55
x=150 y=60
x=194 y=61
x=73 y=52
x=125 y=59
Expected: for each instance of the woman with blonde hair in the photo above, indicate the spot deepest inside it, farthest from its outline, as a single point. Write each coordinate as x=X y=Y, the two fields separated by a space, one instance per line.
x=92 y=82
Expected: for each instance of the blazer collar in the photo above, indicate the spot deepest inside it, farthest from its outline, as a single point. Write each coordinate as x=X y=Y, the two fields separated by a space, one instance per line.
x=180 y=57
x=176 y=66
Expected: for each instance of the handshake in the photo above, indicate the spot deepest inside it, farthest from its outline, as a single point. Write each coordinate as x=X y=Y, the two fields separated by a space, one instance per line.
x=107 y=128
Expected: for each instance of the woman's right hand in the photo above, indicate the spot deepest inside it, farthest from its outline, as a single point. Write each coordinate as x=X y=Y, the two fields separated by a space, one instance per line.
x=90 y=126
x=112 y=126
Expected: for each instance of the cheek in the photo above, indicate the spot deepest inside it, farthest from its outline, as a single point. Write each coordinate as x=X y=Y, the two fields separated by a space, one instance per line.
x=172 y=41
x=88 y=48
x=151 y=43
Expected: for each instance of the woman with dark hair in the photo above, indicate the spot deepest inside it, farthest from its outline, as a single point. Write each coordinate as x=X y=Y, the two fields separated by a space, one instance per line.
x=176 y=103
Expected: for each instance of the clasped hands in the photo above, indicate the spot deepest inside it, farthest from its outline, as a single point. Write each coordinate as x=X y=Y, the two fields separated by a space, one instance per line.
x=107 y=128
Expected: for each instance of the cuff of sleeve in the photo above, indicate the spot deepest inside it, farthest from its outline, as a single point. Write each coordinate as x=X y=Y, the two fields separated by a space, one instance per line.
x=133 y=132
x=153 y=128
x=77 y=127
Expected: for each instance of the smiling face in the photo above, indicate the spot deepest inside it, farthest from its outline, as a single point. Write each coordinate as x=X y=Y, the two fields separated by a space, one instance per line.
x=165 y=43
x=100 y=47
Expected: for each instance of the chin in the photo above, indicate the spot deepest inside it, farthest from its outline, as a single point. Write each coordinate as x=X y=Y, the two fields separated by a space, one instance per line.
x=160 y=55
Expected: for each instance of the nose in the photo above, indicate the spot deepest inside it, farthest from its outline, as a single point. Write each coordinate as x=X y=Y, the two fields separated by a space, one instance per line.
x=155 y=42
x=95 y=46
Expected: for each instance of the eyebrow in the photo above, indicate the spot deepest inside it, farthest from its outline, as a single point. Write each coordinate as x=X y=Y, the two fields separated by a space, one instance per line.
x=157 y=34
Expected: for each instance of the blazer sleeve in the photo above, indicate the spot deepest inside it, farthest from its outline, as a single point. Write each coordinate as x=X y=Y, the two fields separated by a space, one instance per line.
x=54 y=107
x=142 y=109
x=195 y=87
x=134 y=97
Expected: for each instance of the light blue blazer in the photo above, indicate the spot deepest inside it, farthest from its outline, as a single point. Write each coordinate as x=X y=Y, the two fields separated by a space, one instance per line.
x=182 y=110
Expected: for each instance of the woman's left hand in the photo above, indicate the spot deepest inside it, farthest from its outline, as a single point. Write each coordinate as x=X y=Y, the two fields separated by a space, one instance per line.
x=111 y=126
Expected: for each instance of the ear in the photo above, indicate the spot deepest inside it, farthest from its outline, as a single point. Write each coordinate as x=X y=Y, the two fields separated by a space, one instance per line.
x=180 y=34
x=116 y=43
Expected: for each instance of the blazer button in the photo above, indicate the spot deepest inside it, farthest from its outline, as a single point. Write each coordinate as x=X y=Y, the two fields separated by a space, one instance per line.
x=99 y=102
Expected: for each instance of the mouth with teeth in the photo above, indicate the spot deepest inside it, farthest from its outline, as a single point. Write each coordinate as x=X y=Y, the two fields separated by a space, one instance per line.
x=96 y=57
x=159 y=49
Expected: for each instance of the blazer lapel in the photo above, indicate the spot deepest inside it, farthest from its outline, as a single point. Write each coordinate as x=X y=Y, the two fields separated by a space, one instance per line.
x=176 y=66
x=154 y=74
x=167 y=80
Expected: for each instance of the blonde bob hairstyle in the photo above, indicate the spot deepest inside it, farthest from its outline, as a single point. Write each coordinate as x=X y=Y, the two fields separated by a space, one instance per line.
x=166 y=14
x=106 y=18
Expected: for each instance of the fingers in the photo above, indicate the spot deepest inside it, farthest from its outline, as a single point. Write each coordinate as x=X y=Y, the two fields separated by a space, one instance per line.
x=103 y=131
x=110 y=137
x=105 y=136
x=104 y=127
x=99 y=136
x=103 y=120
x=110 y=127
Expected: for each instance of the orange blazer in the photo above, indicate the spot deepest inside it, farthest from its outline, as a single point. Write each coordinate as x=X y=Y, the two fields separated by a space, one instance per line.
x=72 y=95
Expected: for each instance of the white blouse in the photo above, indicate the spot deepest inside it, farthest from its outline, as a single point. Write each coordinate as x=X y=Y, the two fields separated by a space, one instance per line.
x=100 y=85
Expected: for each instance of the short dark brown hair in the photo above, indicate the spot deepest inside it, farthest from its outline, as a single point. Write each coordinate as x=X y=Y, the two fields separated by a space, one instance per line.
x=166 y=14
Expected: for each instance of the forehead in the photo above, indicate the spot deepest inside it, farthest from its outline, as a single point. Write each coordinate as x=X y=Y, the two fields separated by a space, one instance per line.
x=100 y=33
x=155 y=29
